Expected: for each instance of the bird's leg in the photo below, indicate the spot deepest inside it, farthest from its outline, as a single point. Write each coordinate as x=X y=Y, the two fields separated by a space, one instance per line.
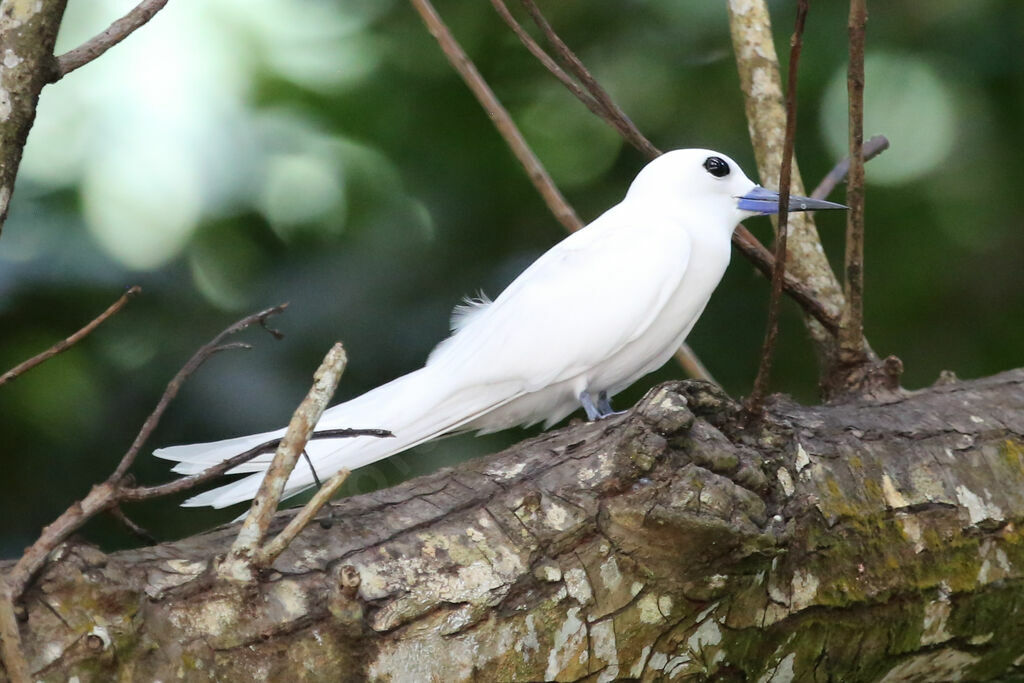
x=588 y=405
x=316 y=479
x=604 y=406
x=328 y=521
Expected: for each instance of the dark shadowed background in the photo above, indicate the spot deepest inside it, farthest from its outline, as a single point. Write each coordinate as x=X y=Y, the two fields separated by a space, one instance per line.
x=234 y=154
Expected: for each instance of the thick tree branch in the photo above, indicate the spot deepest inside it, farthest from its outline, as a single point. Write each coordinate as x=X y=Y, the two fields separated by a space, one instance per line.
x=671 y=542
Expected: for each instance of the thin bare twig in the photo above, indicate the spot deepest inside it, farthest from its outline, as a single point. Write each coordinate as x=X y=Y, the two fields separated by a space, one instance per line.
x=761 y=82
x=174 y=386
x=872 y=148
x=16 y=667
x=544 y=58
x=755 y=403
x=269 y=552
x=461 y=62
x=764 y=261
x=246 y=552
x=851 y=333
x=190 y=482
x=114 y=34
x=113 y=491
x=139 y=532
x=70 y=341
x=613 y=113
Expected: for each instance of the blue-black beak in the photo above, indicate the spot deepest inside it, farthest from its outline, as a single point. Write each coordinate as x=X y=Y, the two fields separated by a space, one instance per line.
x=767 y=202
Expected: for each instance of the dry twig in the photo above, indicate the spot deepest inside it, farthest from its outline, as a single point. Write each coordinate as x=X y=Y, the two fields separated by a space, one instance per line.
x=248 y=551
x=761 y=83
x=113 y=491
x=872 y=148
x=216 y=345
x=65 y=344
x=755 y=403
x=613 y=114
x=851 y=334
x=111 y=36
x=16 y=667
x=461 y=62
x=269 y=552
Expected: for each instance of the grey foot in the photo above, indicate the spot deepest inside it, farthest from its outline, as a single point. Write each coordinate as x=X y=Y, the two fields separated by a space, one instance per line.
x=602 y=409
x=588 y=405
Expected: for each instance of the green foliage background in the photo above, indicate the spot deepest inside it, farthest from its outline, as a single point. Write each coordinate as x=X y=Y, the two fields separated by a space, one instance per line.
x=233 y=155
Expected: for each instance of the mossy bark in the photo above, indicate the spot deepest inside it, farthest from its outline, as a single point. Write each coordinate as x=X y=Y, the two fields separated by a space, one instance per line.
x=854 y=542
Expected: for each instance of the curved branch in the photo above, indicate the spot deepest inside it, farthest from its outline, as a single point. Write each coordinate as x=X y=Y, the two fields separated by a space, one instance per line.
x=111 y=36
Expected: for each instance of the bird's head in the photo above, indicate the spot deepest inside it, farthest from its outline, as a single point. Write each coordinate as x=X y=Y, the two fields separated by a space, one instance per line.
x=709 y=186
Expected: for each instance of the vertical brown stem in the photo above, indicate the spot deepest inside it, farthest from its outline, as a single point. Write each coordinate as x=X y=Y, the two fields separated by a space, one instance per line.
x=755 y=403
x=499 y=115
x=851 y=333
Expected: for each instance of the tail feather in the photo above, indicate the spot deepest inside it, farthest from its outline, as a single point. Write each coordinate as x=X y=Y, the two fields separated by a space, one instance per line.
x=416 y=408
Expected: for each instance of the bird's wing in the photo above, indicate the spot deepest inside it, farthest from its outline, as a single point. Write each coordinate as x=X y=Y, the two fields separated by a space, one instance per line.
x=576 y=306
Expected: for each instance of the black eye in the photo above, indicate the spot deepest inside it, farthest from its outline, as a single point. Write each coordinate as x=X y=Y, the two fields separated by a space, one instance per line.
x=717 y=166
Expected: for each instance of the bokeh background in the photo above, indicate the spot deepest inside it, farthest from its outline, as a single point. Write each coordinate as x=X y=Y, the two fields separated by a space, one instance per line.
x=234 y=154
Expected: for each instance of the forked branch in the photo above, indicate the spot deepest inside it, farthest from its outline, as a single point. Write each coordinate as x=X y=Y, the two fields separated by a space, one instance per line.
x=119 y=30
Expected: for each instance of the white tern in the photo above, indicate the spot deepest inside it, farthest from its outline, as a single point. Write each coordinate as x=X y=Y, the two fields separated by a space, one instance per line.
x=602 y=308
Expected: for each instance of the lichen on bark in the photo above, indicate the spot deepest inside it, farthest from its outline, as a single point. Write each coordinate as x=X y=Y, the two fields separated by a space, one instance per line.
x=859 y=541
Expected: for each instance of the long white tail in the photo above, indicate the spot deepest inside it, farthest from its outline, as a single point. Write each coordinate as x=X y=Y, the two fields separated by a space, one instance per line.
x=417 y=407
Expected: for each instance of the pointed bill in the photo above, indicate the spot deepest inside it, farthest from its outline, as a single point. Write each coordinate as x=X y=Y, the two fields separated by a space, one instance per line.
x=764 y=201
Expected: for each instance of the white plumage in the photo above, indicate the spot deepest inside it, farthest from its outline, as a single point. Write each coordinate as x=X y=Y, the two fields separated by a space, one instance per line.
x=600 y=309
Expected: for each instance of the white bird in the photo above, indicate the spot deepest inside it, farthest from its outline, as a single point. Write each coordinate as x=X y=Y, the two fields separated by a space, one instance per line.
x=602 y=308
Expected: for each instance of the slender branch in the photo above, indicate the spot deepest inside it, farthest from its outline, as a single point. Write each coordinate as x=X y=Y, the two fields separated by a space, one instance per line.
x=545 y=59
x=851 y=333
x=461 y=62
x=70 y=341
x=136 y=530
x=15 y=666
x=268 y=553
x=755 y=403
x=613 y=114
x=872 y=148
x=246 y=553
x=114 y=34
x=764 y=261
x=174 y=386
x=692 y=365
x=111 y=492
x=187 y=483
x=761 y=83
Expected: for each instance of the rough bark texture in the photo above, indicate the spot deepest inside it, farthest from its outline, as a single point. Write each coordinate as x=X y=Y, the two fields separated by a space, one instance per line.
x=28 y=31
x=853 y=542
